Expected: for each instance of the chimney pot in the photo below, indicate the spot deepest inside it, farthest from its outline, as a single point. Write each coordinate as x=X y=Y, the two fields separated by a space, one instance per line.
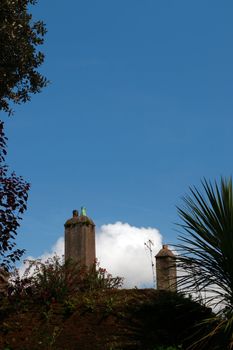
x=75 y=213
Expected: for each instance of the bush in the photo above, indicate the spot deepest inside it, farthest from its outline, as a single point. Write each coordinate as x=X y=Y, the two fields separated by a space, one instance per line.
x=54 y=280
x=170 y=319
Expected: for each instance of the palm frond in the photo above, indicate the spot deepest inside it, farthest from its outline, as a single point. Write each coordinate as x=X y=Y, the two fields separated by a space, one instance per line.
x=206 y=247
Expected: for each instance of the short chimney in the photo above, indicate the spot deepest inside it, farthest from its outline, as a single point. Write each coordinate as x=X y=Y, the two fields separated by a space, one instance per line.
x=166 y=269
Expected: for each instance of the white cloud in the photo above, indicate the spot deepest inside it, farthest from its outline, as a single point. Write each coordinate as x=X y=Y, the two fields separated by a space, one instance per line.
x=120 y=249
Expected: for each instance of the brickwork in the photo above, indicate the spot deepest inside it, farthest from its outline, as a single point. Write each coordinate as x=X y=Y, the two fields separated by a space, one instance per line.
x=166 y=270
x=80 y=239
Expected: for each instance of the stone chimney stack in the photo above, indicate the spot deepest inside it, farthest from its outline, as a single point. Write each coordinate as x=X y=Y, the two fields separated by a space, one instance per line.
x=166 y=269
x=80 y=239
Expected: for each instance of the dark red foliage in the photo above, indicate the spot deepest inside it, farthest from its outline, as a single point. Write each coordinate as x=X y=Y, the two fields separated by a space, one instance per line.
x=13 y=203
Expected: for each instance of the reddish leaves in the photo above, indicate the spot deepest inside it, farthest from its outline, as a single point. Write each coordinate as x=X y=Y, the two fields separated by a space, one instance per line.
x=13 y=203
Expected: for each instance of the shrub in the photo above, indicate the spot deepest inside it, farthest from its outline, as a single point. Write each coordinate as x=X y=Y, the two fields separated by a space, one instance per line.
x=54 y=280
x=169 y=319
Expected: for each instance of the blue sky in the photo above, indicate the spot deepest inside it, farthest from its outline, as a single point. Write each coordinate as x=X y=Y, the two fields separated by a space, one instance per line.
x=139 y=108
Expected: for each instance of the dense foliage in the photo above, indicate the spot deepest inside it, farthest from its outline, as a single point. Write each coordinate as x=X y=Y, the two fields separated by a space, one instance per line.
x=94 y=314
x=55 y=280
x=19 y=54
x=13 y=200
x=207 y=252
x=170 y=319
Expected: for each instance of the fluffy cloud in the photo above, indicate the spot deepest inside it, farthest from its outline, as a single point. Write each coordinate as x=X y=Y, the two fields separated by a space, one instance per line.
x=120 y=249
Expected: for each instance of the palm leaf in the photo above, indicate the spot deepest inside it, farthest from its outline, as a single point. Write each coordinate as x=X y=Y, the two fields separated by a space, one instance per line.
x=206 y=247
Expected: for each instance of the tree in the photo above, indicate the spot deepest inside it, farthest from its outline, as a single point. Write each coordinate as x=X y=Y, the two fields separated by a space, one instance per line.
x=19 y=78
x=19 y=56
x=207 y=250
x=13 y=203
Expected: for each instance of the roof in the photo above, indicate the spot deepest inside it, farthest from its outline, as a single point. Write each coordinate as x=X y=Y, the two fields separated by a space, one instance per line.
x=79 y=219
x=164 y=252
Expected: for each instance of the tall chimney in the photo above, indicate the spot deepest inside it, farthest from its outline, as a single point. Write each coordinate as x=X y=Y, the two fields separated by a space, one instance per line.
x=166 y=269
x=80 y=239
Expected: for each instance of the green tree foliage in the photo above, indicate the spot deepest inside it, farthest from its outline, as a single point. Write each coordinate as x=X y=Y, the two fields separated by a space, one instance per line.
x=13 y=200
x=207 y=251
x=19 y=54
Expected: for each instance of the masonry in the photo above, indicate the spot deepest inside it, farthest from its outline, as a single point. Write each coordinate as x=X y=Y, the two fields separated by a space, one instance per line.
x=166 y=275
x=80 y=239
